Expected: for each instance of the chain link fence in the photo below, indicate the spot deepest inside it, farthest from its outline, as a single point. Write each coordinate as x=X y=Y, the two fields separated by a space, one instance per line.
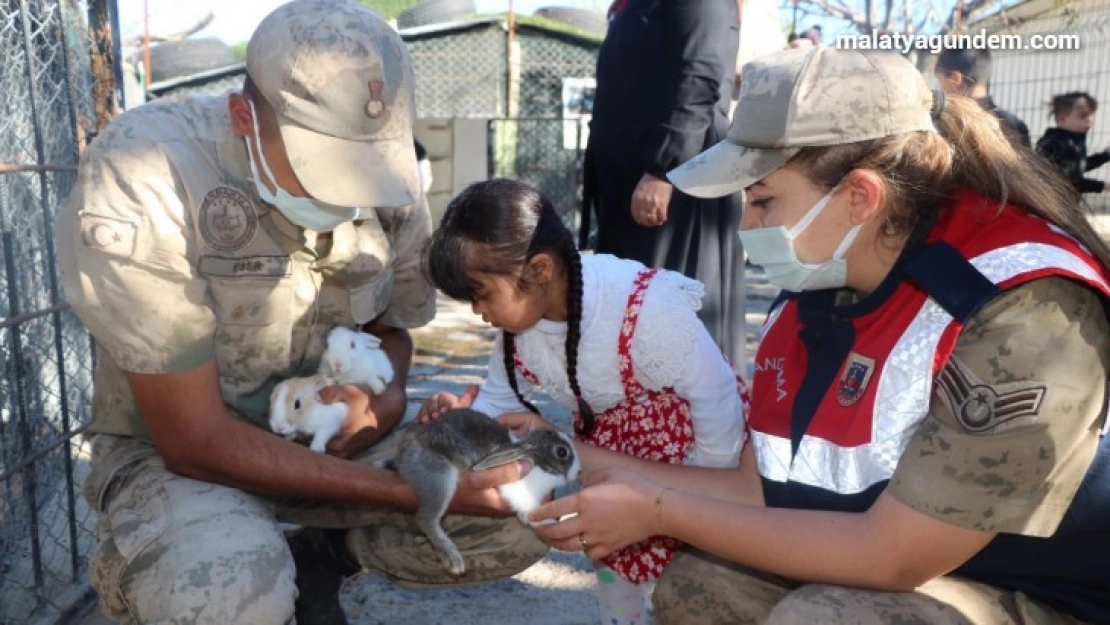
x=519 y=78
x=460 y=69
x=46 y=112
x=1023 y=81
x=547 y=154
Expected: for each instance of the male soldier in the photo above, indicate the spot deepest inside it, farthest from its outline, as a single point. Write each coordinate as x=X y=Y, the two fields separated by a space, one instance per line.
x=209 y=245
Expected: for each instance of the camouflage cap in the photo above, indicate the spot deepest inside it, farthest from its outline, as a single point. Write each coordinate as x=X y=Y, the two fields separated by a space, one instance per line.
x=807 y=97
x=341 y=82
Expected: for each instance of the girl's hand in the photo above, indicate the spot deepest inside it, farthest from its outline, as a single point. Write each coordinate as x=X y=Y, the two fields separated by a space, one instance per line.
x=615 y=508
x=521 y=423
x=437 y=405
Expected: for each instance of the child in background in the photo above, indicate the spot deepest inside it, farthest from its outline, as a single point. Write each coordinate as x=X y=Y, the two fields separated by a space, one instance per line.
x=1066 y=144
x=425 y=166
x=618 y=343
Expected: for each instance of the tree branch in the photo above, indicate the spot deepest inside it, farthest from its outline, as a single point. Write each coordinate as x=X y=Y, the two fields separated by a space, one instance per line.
x=178 y=36
x=825 y=8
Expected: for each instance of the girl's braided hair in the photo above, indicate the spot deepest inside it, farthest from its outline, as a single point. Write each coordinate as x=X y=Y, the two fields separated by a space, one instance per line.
x=495 y=227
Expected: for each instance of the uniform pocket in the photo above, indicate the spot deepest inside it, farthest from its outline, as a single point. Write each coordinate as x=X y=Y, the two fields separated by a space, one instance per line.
x=111 y=470
x=137 y=514
x=370 y=299
x=249 y=301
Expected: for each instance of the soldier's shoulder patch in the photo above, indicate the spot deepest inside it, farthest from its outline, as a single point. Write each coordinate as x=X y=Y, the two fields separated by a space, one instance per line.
x=227 y=219
x=108 y=235
x=982 y=408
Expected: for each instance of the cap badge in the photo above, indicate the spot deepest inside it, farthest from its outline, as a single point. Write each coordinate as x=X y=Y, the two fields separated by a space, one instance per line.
x=375 y=106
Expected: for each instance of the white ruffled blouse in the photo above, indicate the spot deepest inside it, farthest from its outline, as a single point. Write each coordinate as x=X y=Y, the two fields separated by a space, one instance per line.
x=670 y=348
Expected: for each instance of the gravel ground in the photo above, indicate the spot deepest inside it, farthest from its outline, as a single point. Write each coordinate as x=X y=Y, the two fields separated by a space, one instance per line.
x=452 y=352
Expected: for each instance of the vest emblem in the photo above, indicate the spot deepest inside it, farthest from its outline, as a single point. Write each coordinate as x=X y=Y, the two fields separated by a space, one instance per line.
x=854 y=379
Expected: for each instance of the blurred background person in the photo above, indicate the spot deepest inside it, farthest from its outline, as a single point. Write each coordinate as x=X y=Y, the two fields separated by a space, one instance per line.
x=1066 y=144
x=967 y=72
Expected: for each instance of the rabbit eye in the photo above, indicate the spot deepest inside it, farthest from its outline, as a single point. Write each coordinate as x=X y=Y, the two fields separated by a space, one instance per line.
x=563 y=453
x=296 y=404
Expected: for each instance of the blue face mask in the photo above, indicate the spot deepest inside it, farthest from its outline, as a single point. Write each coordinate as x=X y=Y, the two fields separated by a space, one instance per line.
x=305 y=212
x=773 y=249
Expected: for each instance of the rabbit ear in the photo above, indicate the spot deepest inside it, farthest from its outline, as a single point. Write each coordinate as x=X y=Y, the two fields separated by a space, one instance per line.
x=501 y=456
x=277 y=391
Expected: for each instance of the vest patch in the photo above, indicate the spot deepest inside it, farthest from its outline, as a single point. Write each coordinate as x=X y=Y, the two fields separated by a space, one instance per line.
x=227 y=219
x=980 y=407
x=854 y=378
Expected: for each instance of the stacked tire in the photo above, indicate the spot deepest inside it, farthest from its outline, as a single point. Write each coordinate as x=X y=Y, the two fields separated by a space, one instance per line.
x=583 y=19
x=187 y=57
x=435 y=12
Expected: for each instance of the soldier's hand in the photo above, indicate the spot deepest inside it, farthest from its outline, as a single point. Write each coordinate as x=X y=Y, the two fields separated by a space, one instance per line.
x=367 y=421
x=477 y=490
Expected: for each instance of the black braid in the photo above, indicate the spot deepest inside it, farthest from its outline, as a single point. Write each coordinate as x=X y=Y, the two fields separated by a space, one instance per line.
x=573 y=262
x=508 y=342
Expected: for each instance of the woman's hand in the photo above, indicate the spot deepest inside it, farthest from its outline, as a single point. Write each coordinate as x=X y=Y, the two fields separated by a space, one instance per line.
x=616 y=508
x=437 y=405
x=651 y=200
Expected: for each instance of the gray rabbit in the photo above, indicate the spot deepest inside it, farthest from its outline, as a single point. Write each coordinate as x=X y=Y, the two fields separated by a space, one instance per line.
x=432 y=455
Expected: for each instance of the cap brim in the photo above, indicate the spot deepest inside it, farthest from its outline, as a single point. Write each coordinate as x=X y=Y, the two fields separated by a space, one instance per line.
x=727 y=168
x=363 y=174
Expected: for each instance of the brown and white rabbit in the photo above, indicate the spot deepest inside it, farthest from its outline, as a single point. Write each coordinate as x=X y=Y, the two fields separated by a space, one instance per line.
x=357 y=358
x=431 y=456
x=295 y=407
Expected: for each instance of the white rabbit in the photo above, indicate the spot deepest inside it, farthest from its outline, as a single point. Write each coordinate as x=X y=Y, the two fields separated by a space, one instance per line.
x=431 y=456
x=295 y=406
x=357 y=358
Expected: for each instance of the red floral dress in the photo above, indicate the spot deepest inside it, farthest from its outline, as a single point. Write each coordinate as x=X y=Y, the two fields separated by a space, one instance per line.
x=647 y=424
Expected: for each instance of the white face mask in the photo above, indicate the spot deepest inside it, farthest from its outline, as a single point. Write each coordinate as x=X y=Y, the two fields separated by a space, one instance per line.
x=773 y=249
x=305 y=212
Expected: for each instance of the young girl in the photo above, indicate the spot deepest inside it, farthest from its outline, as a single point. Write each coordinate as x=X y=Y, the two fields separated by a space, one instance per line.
x=618 y=343
x=1066 y=144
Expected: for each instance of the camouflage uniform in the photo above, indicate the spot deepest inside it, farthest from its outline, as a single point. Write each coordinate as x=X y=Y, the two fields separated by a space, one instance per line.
x=171 y=261
x=1001 y=439
x=971 y=474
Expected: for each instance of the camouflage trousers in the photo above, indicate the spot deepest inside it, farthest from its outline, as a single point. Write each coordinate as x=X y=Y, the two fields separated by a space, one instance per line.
x=175 y=550
x=700 y=589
